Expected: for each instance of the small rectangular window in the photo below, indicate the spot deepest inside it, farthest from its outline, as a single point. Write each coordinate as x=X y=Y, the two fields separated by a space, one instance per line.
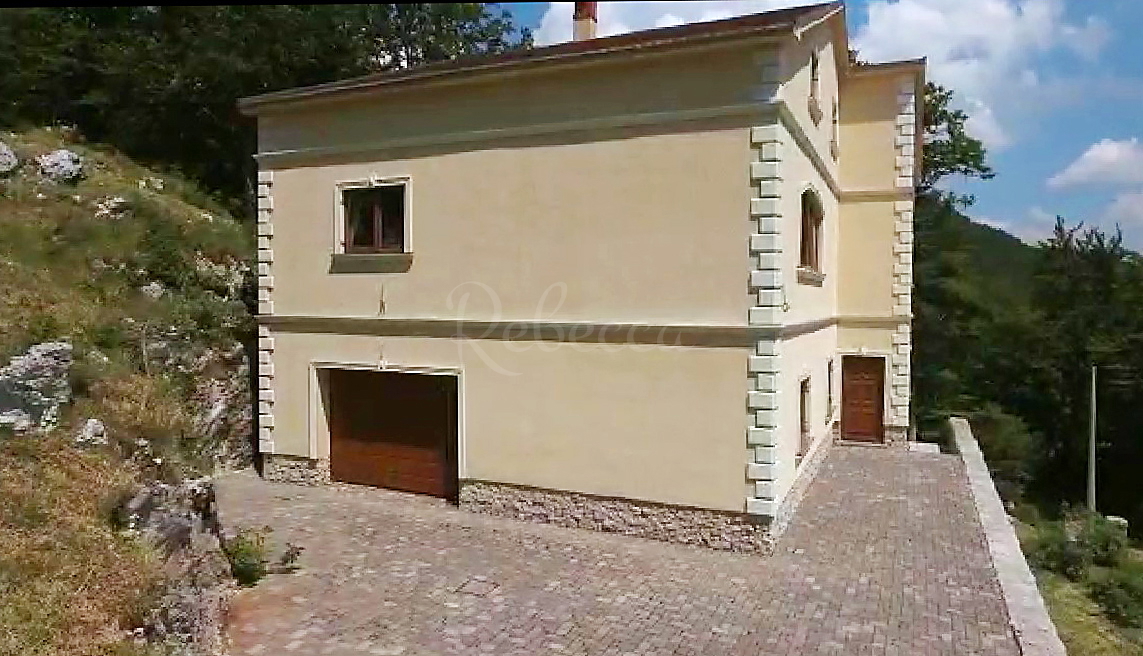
x=829 y=390
x=375 y=219
x=804 y=416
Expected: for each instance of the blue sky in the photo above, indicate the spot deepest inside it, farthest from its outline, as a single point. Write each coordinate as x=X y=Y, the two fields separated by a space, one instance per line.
x=1053 y=87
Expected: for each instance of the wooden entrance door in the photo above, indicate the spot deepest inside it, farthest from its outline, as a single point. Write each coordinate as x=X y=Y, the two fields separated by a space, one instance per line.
x=394 y=430
x=862 y=398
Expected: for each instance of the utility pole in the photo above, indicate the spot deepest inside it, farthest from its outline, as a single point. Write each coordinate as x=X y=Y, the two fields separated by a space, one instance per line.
x=1091 y=449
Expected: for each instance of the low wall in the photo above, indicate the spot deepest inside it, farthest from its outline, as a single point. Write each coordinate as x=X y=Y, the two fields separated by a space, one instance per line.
x=1027 y=615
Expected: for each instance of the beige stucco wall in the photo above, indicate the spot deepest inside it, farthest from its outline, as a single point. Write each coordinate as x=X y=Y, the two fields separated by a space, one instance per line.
x=866 y=258
x=868 y=129
x=639 y=84
x=852 y=339
x=796 y=90
x=804 y=356
x=643 y=227
x=646 y=422
x=807 y=301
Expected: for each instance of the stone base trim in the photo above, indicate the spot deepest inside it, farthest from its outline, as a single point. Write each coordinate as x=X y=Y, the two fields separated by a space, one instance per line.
x=896 y=434
x=807 y=472
x=681 y=525
x=1027 y=614
x=295 y=469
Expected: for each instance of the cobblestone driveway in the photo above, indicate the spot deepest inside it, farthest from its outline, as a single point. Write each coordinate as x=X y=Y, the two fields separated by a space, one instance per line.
x=885 y=556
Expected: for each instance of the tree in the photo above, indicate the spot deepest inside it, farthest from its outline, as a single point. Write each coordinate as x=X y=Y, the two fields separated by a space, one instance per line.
x=949 y=149
x=950 y=311
x=161 y=83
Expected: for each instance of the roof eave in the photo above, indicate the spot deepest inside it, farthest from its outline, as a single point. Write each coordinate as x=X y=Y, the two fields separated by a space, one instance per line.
x=658 y=40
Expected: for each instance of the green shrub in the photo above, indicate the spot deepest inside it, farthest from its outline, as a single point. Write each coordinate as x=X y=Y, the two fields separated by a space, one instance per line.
x=1077 y=542
x=1008 y=447
x=1106 y=542
x=1055 y=550
x=1119 y=591
x=249 y=555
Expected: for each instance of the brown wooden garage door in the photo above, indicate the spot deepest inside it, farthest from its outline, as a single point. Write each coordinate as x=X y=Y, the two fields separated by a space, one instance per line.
x=394 y=430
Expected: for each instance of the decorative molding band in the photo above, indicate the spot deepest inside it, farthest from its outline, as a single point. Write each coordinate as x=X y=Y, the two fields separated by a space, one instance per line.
x=265 y=230
x=741 y=336
x=714 y=529
x=862 y=195
x=902 y=281
x=750 y=110
x=768 y=303
x=859 y=321
x=598 y=333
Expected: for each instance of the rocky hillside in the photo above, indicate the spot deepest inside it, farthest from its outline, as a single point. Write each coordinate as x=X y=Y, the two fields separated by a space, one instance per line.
x=123 y=375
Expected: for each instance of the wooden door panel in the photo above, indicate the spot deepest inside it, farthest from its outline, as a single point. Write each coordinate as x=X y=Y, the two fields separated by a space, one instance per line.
x=394 y=430
x=862 y=398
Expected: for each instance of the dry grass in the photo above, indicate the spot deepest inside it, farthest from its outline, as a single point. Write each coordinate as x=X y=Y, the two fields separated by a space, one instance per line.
x=1080 y=622
x=70 y=270
x=69 y=583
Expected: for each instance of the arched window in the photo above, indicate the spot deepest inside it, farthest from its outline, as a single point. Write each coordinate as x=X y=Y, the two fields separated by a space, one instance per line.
x=811 y=232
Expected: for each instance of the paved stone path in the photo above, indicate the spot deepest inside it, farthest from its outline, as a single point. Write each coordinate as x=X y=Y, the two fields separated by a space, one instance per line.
x=885 y=556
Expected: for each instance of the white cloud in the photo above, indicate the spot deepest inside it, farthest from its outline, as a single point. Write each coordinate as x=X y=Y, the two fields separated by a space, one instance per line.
x=1089 y=40
x=1106 y=162
x=1126 y=210
x=621 y=17
x=985 y=50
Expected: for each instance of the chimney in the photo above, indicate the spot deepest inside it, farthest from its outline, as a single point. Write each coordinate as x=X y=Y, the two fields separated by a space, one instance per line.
x=585 y=19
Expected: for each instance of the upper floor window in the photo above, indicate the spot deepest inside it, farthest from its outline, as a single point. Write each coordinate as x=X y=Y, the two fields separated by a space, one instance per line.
x=374 y=219
x=811 y=235
x=836 y=135
x=815 y=87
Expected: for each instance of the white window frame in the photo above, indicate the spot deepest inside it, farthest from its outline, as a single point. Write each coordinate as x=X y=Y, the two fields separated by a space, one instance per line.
x=371 y=182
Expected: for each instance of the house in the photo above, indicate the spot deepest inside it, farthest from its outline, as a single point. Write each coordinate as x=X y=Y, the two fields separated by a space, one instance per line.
x=638 y=283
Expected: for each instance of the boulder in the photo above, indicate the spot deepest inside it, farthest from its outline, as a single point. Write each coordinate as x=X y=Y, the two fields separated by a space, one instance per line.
x=16 y=420
x=35 y=385
x=111 y=207
x=153 y=289
x=8 y=159
x=182 y=520
x=92 y=433
x=61 y=166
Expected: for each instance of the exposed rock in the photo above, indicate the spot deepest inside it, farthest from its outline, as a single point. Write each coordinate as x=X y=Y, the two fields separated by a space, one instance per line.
x=153 y=289
x=92 y=433
x=151 y=182
x=36 y=384
x=222 y=400
x=8 y=159
x=15 y=419
x=61 y=166
x=183 y=521
x=111 y=207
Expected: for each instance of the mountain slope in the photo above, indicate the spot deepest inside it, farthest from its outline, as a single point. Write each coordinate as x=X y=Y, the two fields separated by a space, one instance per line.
x=123 y=332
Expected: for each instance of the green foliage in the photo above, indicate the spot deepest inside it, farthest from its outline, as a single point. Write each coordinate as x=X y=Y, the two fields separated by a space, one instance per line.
x=1119 y=592
x=1074 y=543
x=161 y=82
x=1008 y=447
x=949 y=149
x=1058 y=550
x=248 y=553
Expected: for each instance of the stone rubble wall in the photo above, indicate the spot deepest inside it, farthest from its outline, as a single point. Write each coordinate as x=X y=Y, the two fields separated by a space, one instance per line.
x=693 y=526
